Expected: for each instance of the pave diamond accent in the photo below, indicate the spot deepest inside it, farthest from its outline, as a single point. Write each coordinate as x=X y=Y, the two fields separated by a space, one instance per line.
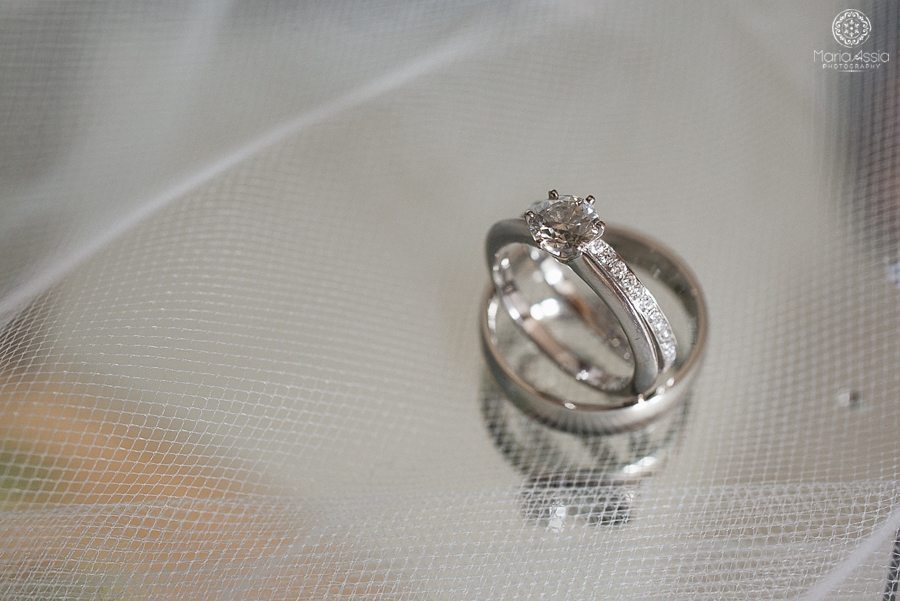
x=638 y=294
x=563 y=225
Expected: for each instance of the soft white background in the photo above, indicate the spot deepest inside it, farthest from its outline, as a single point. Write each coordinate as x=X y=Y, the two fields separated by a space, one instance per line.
x=260 y=226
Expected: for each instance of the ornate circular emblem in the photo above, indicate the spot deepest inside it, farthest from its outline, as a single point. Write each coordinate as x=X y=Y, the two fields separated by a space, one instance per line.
x=851 y=28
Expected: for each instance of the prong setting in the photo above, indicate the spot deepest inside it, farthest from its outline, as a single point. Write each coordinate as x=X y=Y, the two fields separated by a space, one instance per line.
x=564 y=225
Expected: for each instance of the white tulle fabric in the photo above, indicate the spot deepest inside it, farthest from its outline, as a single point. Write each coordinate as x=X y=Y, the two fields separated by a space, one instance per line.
x=241 y=263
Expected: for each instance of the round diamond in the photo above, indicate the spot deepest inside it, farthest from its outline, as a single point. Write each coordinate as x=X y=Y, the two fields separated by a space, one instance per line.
x=562 y=226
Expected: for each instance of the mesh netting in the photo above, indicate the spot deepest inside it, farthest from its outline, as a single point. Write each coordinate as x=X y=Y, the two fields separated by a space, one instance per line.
x=240 y=270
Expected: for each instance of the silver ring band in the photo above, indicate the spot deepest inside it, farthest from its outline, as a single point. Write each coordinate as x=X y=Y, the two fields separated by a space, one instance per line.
x=597 y=263
x=638 y=409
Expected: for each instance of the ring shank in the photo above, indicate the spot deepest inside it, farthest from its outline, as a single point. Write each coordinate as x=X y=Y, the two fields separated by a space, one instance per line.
x=648 y=363
x=639 y=409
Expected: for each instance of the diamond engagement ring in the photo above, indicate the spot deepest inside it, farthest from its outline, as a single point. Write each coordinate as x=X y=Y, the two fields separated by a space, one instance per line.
x=535 y=369
x=568 y=230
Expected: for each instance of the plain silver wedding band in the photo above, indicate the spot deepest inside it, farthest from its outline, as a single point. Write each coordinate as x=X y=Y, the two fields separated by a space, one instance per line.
x=638 y=409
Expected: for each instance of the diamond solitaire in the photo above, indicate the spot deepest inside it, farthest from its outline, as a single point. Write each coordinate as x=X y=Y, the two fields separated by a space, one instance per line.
x=564 y=225
x=569 y=231
x=567 y=227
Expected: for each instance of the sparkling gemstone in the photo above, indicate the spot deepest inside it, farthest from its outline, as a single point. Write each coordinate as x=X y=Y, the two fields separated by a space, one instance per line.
x=562 y=226
x=668 y=350
x=631 y=283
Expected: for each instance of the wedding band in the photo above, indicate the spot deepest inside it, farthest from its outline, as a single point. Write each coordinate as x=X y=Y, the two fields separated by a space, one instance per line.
x=568 y=229
x=610 y=413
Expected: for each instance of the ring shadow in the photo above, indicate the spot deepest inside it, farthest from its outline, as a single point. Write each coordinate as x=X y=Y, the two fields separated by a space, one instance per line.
x=577 y=478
